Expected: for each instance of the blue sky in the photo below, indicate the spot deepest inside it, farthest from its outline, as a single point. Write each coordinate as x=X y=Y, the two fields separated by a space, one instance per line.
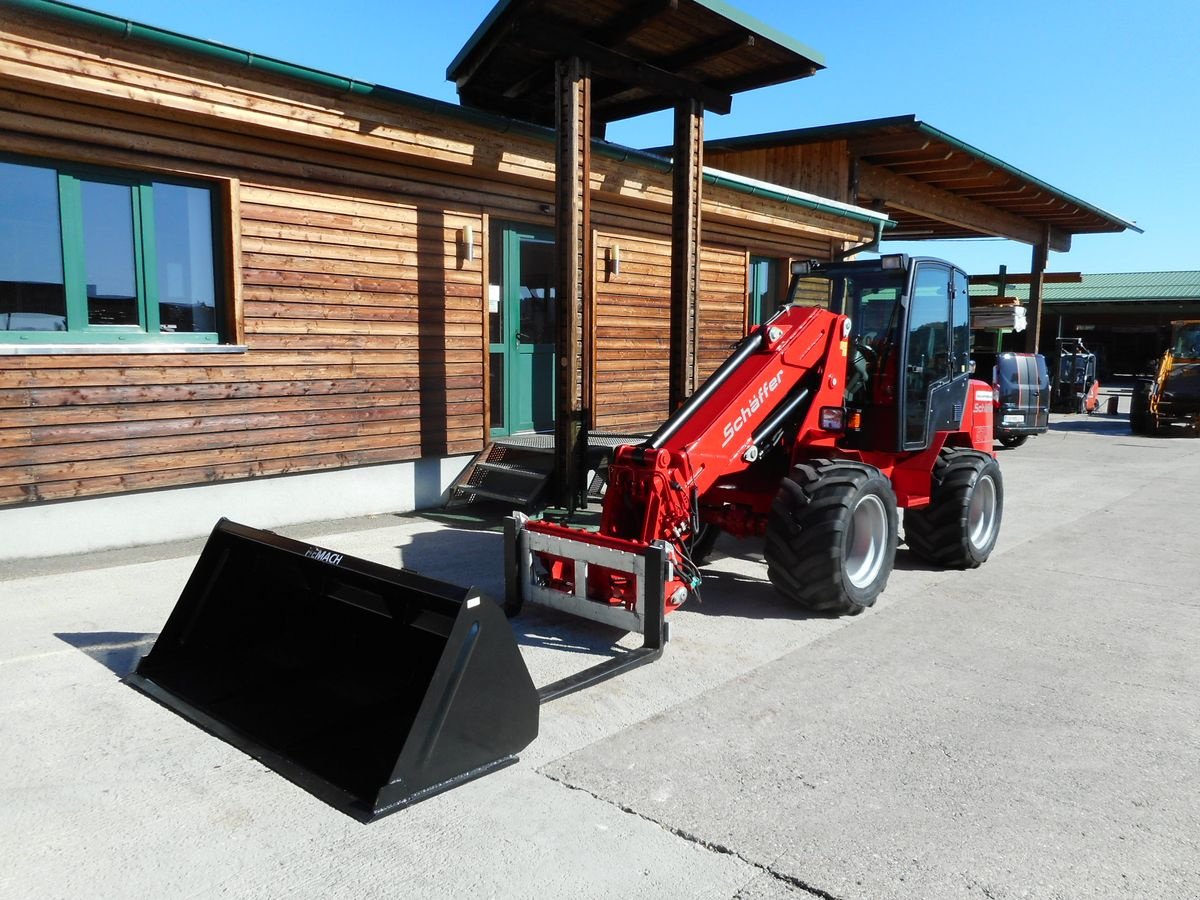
x=1100 y=99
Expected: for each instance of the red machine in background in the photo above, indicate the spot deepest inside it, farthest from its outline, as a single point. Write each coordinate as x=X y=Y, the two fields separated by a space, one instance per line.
x=820 y=426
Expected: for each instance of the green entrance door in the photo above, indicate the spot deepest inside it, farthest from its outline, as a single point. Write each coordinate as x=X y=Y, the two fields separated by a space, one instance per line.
x=523 y=326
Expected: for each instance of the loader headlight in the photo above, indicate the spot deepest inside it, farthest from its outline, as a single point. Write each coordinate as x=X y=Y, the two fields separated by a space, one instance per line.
x=833 y=418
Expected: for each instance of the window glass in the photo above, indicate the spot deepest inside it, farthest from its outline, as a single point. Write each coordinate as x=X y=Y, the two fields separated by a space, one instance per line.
x=763 y=289
x=111 y=270
x=497 y=389
x=32 y=293
x=927 y=362
x=495 y=287
x=1187 y=341
x=105 y=255
x=539 y=313
x=961 y=326
x=183 y=247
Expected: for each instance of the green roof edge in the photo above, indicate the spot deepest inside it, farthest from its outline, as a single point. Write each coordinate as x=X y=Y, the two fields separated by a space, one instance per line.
x=127 y=28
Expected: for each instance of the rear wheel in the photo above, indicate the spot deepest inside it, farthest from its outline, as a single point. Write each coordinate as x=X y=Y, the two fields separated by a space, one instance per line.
x=959 y=527
x=1012 y=441
x=1139 y=412
x=831 y=536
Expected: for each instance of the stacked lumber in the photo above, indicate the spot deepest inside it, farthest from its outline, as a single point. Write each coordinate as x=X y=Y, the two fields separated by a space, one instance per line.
x=997 y=313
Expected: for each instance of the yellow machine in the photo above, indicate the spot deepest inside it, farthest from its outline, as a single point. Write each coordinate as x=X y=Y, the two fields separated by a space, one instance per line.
x=1171 y=399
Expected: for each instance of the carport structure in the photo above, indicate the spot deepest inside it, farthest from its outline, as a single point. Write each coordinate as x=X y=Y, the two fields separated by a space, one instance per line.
x=579 y=66
x=933 y=185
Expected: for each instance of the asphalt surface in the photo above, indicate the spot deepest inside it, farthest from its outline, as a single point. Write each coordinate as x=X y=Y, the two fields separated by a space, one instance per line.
x=1026 y=729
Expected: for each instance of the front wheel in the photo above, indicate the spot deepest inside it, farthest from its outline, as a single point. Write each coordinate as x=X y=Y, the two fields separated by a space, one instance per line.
x=831 y=536
x=959 y=527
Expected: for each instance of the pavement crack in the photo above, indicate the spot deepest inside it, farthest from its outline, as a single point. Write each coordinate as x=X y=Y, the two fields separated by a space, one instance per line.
x=712 y=846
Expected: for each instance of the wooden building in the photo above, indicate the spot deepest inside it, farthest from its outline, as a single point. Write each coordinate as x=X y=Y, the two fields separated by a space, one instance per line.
x=216 y=267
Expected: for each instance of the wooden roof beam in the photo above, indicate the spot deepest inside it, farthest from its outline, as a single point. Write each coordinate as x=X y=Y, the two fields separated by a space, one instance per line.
x=879 y=145
x=554 y=40
x=684 y=59
x=911 y=196
x=637 y=17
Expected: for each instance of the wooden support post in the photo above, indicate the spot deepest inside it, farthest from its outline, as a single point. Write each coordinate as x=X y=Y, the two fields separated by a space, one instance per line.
x=1001 y=290
x=573 y=247
x=1037 y=272
x=687 y=180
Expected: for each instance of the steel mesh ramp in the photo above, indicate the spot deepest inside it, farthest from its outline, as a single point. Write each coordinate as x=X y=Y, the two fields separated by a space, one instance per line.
x=516 y=471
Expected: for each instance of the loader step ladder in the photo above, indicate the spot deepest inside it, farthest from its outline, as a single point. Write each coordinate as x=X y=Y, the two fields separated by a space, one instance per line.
x=515 y=471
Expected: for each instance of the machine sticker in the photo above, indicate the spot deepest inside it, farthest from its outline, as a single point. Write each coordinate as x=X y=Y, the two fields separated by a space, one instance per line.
x=750 y=407
x=325 y=556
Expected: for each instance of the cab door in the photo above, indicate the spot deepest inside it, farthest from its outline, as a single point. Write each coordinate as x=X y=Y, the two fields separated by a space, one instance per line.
x=936 y=354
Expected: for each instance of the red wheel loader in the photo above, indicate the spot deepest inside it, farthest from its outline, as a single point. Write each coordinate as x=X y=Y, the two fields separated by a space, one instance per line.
x=821 y=426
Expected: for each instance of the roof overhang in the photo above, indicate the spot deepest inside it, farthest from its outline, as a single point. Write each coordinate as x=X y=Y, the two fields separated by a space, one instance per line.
x=645 y=55
x=936 y=186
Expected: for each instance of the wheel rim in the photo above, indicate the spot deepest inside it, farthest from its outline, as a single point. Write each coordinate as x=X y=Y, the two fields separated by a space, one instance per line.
x=981 y=515
x=866 y=541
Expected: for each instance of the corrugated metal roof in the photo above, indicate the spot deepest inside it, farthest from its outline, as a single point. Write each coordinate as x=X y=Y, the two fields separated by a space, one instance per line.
x=1115 y=287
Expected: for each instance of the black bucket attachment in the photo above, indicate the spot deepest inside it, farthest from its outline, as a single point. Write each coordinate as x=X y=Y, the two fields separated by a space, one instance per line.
x=371 y=687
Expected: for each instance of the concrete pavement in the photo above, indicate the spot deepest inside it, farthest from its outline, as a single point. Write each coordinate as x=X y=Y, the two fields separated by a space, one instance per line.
x=1027 y=729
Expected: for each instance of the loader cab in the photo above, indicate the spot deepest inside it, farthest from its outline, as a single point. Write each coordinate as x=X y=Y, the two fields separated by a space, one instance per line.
x=909 y=348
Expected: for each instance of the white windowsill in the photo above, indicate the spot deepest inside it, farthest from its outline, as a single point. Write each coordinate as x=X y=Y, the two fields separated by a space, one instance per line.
x=111 y=349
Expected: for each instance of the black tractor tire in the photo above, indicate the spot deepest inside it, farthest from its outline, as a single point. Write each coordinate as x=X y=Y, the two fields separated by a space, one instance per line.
x=1141 y=420
x=1013 y=441
x=959 y=527
x=832 y=535
x=1139 y=412
x=706 y=540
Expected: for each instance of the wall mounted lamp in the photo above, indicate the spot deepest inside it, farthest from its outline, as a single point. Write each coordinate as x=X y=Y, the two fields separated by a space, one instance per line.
x=468 y=243
x=614 y=259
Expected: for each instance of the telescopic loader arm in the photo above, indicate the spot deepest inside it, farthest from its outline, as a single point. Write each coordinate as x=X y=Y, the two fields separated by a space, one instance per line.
x=777 y=381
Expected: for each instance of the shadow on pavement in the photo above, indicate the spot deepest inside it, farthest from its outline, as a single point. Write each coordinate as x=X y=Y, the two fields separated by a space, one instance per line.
x=1098 y=424
x=117 y=651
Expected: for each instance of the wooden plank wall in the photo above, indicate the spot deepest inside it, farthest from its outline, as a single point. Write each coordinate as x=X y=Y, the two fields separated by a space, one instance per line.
x=821 y=169
x=364 y=324
x=633 y=332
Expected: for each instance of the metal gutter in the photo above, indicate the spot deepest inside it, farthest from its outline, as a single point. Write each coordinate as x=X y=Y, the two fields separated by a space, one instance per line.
x=126 y=29
x=744 y=185
x=795 y=198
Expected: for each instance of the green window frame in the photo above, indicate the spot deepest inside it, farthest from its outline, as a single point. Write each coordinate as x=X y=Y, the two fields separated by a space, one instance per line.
x=137 y=316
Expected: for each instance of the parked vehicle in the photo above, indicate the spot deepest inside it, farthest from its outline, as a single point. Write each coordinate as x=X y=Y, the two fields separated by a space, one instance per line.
x=1171 y=399
x=1021 y=383
x=1075 y=388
